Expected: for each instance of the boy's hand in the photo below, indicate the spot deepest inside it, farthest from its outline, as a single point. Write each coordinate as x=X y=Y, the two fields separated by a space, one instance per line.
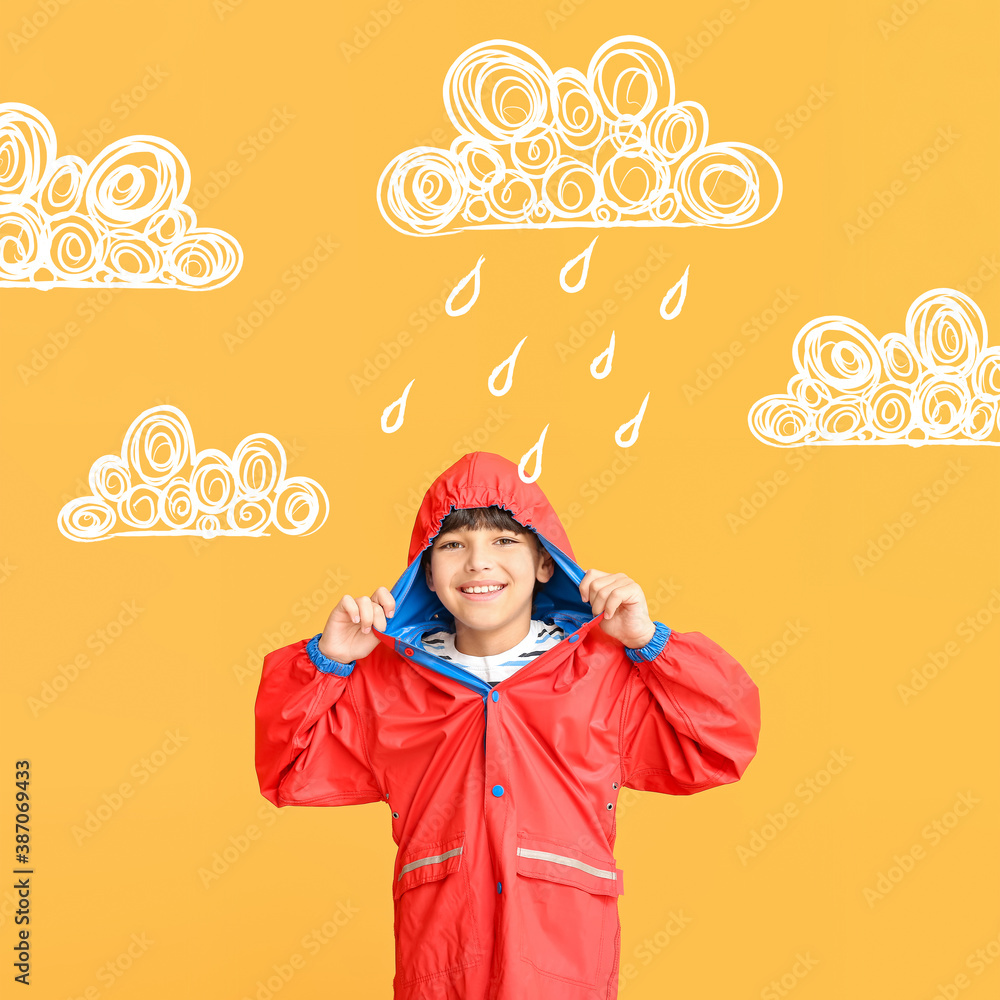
x=626 y=617
x=348 y=633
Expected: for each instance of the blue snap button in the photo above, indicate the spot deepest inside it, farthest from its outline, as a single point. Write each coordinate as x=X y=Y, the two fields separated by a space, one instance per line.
x=498 y=790
x=495 y=695
x=499 y=887
x=573 y=638
x=408 y=651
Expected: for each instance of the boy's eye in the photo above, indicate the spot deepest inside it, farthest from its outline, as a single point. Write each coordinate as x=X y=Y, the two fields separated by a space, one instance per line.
x=446 y=545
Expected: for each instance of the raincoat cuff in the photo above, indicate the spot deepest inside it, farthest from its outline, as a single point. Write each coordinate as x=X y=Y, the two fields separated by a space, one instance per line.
x=653 y=648
x=323 y=663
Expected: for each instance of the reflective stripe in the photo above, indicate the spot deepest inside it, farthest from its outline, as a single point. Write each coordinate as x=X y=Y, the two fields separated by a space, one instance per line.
x=561 y=859
x=427 y=861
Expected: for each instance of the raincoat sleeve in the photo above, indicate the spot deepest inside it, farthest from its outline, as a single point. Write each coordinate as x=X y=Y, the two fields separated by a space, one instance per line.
x=691 y=717
x=310 y=737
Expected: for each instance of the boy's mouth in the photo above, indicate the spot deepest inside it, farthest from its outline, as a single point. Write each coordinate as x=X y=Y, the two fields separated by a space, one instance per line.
x=482 y=592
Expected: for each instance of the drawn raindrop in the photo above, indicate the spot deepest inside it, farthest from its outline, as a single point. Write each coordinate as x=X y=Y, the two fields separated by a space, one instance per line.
x=607 y=354
x=401 y=403
x=634 y=424
x=570 y=264
x=535 y=449
x=679 y=291
x=473 y=275
x=509 y=365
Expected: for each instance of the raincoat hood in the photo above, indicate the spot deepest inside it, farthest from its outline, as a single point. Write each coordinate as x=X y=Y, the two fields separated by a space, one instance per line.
x=483 y=479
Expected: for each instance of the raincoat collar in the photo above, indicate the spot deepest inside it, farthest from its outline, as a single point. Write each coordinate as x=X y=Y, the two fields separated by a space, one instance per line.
x=482 y=479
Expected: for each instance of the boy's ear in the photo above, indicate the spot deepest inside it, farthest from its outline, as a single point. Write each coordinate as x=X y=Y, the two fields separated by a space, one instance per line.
x=546 y=567
x=427 y=576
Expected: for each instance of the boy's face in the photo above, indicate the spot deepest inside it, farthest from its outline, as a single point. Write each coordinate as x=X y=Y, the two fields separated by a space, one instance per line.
x=507 y=562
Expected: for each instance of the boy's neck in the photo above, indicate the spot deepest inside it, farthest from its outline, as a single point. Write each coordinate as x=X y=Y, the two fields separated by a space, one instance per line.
x=476 y=642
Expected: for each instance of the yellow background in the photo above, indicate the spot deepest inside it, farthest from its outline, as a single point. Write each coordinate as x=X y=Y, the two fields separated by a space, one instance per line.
x=664 y=518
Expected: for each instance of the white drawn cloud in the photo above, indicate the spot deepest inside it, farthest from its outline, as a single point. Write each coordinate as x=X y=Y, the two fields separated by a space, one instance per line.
x=160 y=485
x=538 y=148
x=119 y=220
x=937 y=383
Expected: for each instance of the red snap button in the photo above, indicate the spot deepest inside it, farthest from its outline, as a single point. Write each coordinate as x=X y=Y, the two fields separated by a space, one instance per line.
x=408 y=651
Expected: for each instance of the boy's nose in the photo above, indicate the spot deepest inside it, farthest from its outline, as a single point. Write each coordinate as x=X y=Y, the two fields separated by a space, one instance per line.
x=478 y=557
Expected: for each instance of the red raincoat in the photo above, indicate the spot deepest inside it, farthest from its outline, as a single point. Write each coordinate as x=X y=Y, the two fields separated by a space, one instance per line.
x=503 y=800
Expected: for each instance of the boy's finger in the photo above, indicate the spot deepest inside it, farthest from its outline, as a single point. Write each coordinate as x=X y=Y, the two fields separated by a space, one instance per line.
x=613 y=603
x=351 y=607
x=379 y=618
x=597 y=601
x=365 y=613
x=384 y=597
x=587 y=583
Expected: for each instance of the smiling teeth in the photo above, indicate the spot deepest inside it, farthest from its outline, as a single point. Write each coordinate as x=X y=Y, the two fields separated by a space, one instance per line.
x=479 y=590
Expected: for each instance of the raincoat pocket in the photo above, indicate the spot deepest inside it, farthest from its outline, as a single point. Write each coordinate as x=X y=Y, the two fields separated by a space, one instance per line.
x=568 y=909
x=434 y=923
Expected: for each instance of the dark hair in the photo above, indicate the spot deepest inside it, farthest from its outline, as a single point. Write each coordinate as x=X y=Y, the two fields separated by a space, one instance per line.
x=476 y=518
x=483 y=517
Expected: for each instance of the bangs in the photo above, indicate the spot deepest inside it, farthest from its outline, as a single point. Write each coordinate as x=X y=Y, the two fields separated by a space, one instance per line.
x=476 y=518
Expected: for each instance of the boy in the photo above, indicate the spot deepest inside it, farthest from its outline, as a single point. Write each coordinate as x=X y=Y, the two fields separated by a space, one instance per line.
x=479 y=701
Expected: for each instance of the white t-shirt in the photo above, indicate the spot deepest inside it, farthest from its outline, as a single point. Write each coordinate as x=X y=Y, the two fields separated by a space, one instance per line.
x=541 y=636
